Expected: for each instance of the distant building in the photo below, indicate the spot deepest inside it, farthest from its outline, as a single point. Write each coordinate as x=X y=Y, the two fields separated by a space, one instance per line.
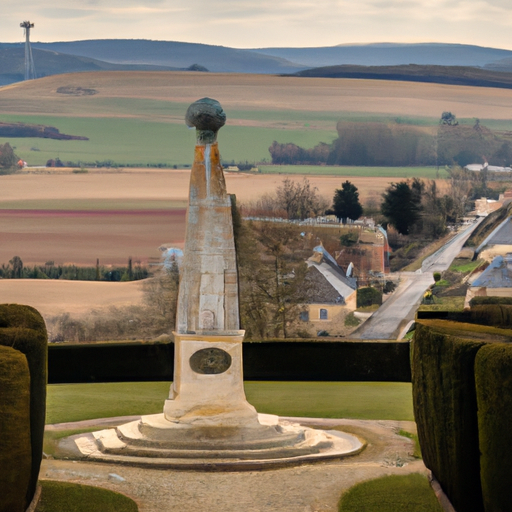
x=369 y=257
x=331 y=294
x=495 y=280
x=486 y=167
x=498 y=243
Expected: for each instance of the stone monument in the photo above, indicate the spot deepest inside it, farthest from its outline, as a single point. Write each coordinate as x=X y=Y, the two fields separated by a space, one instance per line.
x=207 y=422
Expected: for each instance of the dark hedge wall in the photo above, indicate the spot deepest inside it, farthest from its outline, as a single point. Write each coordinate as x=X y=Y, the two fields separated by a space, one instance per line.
x=22 y=328
x=15 y=451
x=115 y=362
x=327 y=361
x=270 y=360
x=493 y=375
x=445 y=408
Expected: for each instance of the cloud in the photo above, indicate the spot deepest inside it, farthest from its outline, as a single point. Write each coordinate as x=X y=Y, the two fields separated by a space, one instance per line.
x=250 y=23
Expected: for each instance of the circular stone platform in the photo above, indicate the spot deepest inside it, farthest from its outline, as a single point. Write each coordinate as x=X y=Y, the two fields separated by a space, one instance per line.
x=154 y=442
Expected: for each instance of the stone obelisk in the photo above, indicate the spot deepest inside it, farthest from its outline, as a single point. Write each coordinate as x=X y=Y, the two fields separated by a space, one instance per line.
x=207 y=423
x=208 y=385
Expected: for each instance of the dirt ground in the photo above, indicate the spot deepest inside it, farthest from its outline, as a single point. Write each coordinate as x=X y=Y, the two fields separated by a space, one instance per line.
x=306 y=488
x=54 y=297
x=158 y=185
x=69 y=218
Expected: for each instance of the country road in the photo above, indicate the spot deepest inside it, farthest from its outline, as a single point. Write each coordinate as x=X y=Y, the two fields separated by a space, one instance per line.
x=386 y=322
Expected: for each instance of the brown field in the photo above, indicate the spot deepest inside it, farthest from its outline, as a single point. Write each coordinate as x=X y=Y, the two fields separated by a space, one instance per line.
x=71 y=218
x=255 y=92
x=54 y=297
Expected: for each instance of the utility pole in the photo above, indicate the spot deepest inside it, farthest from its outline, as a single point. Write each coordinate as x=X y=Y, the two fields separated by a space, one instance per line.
x=30 y=70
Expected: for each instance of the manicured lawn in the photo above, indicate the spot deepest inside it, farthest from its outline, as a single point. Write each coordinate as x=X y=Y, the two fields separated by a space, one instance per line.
x=363 y=400
x=66 y=497
x=408 y=493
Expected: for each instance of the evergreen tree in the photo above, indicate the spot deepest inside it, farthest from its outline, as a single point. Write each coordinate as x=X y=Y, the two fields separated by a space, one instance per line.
x=401 y=207
x=346 y=203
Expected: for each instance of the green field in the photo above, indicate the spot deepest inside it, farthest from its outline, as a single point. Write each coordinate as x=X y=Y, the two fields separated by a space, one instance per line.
x=394 y=172
x=133 y=141
x=362 y=400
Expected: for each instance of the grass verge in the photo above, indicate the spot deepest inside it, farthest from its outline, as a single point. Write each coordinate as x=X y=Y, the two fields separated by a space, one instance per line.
x=363 y=400
x=444 y=304
x=67 y=497
x=408 y=493
x=410 y=435
x=394 y=172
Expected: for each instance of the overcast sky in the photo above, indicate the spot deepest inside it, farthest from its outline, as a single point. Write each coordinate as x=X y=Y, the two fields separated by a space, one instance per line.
x=263 y=23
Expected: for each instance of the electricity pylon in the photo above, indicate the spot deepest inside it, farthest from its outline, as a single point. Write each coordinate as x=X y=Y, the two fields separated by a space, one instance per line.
x=30 y=70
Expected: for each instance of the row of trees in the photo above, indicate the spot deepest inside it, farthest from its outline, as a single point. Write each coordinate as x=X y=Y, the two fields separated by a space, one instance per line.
x=15 y=269
x=396 y=144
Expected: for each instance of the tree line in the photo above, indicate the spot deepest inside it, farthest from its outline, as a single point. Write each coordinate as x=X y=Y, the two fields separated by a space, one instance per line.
x=15 y=269
x=398 y=145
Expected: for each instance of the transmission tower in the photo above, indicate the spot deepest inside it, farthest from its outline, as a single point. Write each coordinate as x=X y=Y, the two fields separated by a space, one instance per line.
x=30 y=70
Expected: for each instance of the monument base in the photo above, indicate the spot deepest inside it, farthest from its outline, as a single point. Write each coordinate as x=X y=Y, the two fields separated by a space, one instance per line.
x=153 y=441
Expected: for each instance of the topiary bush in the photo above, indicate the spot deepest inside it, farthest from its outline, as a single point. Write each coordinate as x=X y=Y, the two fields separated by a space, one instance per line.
x=497 y=315
x=22 y=329
x=15 y=450
x=445 y=409
x=493 y=376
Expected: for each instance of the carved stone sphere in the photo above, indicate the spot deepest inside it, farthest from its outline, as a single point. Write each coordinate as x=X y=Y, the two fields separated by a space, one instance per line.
x=205 y=114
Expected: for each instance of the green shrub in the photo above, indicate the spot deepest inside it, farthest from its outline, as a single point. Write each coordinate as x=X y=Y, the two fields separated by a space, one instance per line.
x=445 y=409
x=22 y=328
x=395 y=493
x=437 y=276
x=368 y=296
x=67 y=497
x=493 y=376
x=351 y=320
x=15 y=450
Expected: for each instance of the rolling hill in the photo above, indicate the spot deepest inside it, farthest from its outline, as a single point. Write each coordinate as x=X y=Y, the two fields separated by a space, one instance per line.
x=139 y=54
x=174 y=54
x=391 y=54
x=452 y=75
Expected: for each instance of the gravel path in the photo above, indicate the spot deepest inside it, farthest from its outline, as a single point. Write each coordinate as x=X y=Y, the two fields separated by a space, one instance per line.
x=307 y=488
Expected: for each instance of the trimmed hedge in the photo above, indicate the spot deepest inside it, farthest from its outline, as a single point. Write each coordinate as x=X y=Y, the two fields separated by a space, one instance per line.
x=497 y=315
x=15 y=452
x=493 y=372
x=492 y=314
x=22 y=328
x=445 y=408
x=268 y=360
x=478 y=301
x=368 y=296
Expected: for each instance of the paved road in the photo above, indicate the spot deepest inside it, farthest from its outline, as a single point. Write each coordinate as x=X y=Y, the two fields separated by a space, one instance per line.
x=401 y=307
x=385 y=323
x=442 y=259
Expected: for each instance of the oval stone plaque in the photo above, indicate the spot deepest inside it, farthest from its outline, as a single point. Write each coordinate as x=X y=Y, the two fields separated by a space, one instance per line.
x=210 y=361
